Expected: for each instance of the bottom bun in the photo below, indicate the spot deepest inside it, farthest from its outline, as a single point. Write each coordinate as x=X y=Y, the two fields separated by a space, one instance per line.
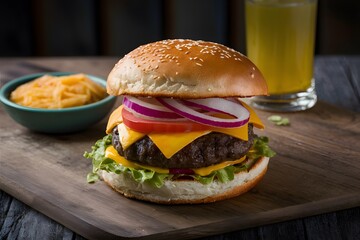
x=187 y=191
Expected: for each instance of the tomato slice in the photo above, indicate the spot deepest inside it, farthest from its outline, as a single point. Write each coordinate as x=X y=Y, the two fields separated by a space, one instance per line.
x=147 y=126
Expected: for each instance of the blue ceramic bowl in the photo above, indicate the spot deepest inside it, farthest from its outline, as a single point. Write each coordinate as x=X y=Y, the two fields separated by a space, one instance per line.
x=64 y=120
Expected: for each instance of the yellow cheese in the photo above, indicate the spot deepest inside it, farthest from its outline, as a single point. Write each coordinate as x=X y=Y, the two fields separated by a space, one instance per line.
x=207 y=170
x=113 y=154
x=254 y=119
x=114 y=119
x=169 y=144
x=240 y=132
x=128 y=136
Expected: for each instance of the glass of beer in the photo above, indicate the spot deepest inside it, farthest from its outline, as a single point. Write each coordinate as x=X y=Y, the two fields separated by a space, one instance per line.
x=280 y=39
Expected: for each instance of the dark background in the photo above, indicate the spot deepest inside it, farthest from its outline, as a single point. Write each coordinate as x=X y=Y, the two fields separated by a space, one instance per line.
x=115 y=27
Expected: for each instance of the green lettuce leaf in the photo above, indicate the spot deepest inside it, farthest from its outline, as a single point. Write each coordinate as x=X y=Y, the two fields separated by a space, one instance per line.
x=260 y=148
x=100 y=162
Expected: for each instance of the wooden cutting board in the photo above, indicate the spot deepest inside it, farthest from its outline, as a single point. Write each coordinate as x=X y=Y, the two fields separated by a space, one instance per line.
x=316 y=170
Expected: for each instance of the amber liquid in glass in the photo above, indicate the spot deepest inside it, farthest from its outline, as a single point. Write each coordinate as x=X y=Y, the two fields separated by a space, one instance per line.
x=280 y=41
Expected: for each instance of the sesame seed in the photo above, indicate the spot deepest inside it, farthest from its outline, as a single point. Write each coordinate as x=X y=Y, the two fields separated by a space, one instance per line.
x=199 y=64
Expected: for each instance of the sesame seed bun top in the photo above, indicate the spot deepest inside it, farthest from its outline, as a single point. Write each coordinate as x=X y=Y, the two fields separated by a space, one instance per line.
x=186 y=69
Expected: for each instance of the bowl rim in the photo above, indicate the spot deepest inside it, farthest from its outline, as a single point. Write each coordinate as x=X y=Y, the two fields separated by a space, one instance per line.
x=12 y=84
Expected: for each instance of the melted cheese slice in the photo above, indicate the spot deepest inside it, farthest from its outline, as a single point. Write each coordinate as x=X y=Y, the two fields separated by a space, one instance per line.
x=169 y=144
x=113 y=154
x=114 y=119
x=128 y=136
x=254 y=118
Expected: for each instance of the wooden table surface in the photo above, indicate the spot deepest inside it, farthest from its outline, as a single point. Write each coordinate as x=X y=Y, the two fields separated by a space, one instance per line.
x=337 y=83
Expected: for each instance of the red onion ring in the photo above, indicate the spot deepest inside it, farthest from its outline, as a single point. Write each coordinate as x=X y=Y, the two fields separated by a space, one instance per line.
x=240 y=113
x=201 y=104
x=146 y=109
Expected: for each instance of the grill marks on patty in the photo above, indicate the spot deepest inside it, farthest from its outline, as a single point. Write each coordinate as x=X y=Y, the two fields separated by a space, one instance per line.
x=207 y=150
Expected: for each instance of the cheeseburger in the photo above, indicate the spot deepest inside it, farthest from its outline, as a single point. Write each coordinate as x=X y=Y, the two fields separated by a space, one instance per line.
x=182 y=134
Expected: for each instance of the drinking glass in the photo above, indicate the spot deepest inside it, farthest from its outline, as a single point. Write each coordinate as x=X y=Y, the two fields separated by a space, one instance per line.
x=280 y=39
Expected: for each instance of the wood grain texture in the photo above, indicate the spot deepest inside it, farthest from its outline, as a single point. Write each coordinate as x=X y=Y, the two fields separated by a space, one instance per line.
x=337 y=80
x=310 y=175
x=29 y=224
x=19 y=221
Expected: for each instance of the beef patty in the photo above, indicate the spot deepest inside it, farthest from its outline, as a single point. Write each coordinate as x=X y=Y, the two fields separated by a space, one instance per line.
x=207 y=150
